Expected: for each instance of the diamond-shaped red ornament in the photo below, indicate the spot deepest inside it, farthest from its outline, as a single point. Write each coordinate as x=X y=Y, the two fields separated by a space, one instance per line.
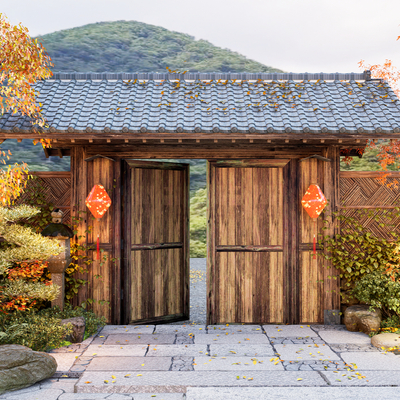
x=98 y=201
x=314 y=201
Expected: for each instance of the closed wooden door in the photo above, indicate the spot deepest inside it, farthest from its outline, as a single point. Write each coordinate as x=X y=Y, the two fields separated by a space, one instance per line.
x=246 y=266
x=156 y=253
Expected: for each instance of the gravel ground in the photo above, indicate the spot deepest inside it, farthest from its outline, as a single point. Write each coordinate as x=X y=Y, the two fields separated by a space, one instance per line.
x=198 y=284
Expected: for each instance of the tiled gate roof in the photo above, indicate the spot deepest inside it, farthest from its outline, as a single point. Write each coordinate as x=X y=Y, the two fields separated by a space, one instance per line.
x=203 y=103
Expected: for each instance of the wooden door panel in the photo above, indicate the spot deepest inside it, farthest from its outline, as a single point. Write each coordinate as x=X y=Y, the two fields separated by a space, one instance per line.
x=157 y=241
x=155 y=270
x=246 y=246
x=248 y=194
x=250 y=287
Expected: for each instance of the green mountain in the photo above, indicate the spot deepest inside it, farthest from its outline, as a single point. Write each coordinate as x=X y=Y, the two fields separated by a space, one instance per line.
x=131 y=46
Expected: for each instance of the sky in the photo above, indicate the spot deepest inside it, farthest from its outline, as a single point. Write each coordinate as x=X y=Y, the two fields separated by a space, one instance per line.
x=293 y=35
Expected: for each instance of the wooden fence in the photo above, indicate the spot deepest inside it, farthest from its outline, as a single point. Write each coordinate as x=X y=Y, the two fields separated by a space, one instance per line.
x=56 y=187
x=361 y=190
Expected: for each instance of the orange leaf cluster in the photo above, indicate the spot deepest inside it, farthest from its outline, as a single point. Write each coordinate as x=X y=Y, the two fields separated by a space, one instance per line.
x=23 y=61
x=27 y=270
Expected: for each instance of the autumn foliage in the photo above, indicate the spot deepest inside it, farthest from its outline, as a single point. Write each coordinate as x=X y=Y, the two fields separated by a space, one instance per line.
x=23 y=62
x=389 y=151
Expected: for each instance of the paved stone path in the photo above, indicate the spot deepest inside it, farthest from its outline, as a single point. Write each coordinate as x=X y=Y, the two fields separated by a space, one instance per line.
x=195 y=361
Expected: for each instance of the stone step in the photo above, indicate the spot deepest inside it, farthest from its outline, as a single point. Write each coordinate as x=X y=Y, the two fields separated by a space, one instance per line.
x=290 y=393
x=179 y=381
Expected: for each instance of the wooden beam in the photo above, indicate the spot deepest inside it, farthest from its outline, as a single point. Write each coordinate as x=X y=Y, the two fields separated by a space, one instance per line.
x=322 y=140
x=286 y=140
x=161 y=140
x=126 y=140
x=358 y=141
x=251 y=140
x=72 y=140
x=90 y=140
x=19 y=140
x=304 y=140
x=269 y=140
x=108 y=140
x=143 y=140
x=340 y=141
x=179 y=140
x=233 y=140
x=197 y=140
x=60 y=153
x=46 y=152
x=215 y=140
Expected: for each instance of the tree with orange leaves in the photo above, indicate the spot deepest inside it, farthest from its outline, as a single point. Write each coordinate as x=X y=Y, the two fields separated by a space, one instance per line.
x=22 y=62
x=389 y=151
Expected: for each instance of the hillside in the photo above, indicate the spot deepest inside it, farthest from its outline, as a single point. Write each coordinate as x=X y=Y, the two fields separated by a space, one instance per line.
x=131 y=46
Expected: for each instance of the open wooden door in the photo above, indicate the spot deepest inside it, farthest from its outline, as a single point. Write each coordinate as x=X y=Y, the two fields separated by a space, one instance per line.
x=247 y=259
x=156 y=242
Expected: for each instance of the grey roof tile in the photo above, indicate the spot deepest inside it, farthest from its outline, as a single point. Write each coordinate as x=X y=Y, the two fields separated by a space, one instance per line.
x=336 y=104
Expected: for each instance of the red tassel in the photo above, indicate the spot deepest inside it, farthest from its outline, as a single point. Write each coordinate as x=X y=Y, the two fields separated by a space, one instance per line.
x=314 y=248
x=98 y=247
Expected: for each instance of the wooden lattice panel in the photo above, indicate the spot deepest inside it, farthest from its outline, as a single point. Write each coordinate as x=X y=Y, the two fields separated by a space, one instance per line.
x=364 y=191
x=56 y=187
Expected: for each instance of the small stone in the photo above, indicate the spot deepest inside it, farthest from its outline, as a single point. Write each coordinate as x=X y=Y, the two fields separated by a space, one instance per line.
x=78 y=332
x=21 y=367
x=360 y=319
x=386 y=340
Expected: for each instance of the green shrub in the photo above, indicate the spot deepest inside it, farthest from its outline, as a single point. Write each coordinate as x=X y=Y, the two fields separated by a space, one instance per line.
x=198 y=224
x=380 y=291
x=41 y=330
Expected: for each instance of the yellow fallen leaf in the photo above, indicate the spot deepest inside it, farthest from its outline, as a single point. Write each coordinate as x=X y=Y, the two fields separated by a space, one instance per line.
x=142 y=365
x=105 y=381
x=113 y=376
x=64 y=376
x=254 y=362
x=299 y=379
x=88 y=382
x=250 y=379
x=276 y=362
x=128 y=375
x=101 y=336
x=139 y=375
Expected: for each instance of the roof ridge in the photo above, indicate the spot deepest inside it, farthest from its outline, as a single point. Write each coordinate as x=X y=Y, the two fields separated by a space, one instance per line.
x=274 y=76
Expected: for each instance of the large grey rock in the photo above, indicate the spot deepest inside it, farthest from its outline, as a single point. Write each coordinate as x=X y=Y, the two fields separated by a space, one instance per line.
x=360 y=319
x=78 y=329
x=21 y=367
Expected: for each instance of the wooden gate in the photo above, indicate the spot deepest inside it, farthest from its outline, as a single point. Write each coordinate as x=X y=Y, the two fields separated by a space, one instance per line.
x=156 y=226
x=247 y=269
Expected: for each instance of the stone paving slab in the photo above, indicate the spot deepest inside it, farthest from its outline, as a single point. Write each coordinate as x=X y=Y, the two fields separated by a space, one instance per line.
x=234 y=329
x=372 y=378
x=345 y=337
x=241 y=350
x=130 y=363
x=116 y=396
x=46 y=394
x=299 y=331
x=180 y=329
x=123 y=339
x=170 y=381
x=290 y=393
x=135 y=329
x=383 y=361
x=172 y=350
x=116 y=350
x=235 y=338
x=64 y=360
x=228 y=363
x=292 y=352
